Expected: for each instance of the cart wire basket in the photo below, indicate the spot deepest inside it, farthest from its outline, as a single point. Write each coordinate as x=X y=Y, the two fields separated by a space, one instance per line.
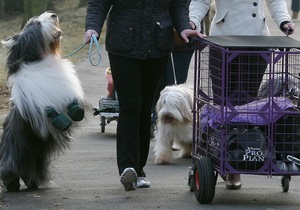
x=246 y=110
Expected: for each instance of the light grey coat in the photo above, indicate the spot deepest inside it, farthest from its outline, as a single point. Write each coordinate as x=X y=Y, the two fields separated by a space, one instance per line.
x=239 y=17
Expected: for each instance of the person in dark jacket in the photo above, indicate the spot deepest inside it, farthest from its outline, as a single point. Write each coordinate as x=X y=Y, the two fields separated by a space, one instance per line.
x=139 y=40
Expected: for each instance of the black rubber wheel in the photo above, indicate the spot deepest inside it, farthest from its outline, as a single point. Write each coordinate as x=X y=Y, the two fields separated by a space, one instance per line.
x=285 y=183
x=102 y=123
x=204 y=180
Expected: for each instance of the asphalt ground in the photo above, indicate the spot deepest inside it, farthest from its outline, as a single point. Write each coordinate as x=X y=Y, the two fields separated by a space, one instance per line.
x=86 y=175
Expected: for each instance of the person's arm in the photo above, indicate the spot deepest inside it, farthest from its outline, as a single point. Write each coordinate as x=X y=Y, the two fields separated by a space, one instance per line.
x=198 y=9
x=180 y=17
x=95 y=16
x=279 y=12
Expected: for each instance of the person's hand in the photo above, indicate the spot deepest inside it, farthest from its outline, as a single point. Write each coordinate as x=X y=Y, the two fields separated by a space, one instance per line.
x=289 y=28
x=88 y=35
x=188 y=33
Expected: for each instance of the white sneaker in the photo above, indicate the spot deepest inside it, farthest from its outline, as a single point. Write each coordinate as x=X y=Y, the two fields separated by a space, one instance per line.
x=128 y=179
x=142 y=182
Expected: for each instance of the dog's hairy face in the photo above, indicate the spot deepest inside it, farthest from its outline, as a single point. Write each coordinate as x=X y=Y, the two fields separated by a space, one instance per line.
x=51 y=31
x=40 y=37
x=175 y=105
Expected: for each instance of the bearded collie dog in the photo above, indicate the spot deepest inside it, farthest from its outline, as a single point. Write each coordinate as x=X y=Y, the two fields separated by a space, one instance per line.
x=282 y=85
x=175 y=122
x=47 y=104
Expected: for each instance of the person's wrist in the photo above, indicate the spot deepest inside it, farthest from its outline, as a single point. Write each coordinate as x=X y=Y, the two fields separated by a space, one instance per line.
x=283 y=23
x=193 y=25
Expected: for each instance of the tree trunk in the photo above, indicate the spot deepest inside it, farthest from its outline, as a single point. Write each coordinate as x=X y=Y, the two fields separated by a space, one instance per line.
x=33 y=8
x=2 y=6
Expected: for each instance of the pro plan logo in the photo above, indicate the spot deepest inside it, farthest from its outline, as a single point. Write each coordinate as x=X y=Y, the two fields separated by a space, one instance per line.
x=253 y=154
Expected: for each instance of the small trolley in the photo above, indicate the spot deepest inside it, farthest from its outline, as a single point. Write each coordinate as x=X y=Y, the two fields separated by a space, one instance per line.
x=108 y=110
x=246 y=110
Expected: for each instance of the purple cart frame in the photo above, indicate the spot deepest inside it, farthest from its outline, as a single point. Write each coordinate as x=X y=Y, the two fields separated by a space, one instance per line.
x=246 y=91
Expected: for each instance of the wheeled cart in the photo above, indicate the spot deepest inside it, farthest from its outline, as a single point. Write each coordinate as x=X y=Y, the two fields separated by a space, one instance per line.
x=246 y=110
x=108 y=110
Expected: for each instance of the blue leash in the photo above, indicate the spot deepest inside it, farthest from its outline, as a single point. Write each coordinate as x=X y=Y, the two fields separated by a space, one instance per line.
x=74 y=51
x=93 y=40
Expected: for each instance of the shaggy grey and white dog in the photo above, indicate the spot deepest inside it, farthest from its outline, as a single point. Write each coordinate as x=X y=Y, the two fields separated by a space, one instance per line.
x=175 y=122
x=282 y=85
x=48 y=101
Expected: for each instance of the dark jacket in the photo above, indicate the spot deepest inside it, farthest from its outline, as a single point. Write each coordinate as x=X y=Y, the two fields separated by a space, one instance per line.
x=138 y=28
x=180 y=44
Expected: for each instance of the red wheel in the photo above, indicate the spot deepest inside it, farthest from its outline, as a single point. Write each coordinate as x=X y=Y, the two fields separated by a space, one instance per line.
x=204 y=180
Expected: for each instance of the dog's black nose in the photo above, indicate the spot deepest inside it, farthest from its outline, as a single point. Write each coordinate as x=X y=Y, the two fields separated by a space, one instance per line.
x=54 y=16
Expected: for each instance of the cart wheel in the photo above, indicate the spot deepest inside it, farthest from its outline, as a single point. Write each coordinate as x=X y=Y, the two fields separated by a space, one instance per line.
x=191 y=179
x=102 y=124
x=285 y=183
x=204 y=180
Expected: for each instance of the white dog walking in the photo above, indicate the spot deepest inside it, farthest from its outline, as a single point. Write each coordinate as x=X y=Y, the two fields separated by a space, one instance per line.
x=175 y=122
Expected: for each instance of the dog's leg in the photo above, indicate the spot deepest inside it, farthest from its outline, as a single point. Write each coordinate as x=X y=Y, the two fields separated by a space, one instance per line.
x=23 y=154
x=8 y=149
x=10 y=181
x=163 y=149
x=186 y=149
x=37 y=171
x=75 y=111
x=30 y=183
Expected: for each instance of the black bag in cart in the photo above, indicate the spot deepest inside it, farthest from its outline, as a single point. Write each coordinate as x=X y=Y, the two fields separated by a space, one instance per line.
x=246 y=148
x=246 y=145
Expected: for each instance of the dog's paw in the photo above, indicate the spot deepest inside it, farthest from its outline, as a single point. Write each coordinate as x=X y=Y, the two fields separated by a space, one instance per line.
x=185 y=154
x=11 y=184
x=162 y=160
x=75 y=111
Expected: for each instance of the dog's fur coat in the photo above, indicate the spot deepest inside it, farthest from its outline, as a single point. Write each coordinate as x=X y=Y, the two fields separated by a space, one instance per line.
x=282 y=85
x=175 y=122
x=39 y=78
